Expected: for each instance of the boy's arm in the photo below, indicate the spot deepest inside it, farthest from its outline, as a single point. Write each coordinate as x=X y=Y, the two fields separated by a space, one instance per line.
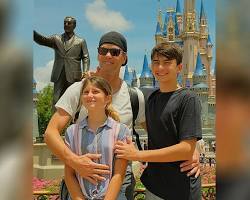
x=72 y=184
x=117 y=179
x=82 y=164
x=181 y=151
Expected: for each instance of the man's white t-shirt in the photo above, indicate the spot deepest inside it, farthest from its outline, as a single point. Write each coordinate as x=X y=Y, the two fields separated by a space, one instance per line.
x=69 y=102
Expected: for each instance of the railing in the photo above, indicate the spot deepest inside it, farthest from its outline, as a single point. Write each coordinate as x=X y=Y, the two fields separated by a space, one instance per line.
x=45 y=195
x=208 y=193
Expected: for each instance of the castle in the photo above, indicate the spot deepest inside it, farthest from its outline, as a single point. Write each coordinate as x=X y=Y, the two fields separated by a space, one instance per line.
x=191 y=33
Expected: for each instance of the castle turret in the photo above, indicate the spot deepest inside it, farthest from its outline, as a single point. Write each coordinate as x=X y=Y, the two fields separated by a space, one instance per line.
x=170 y=27
x=212 y=86
x=127 y=78
x=203 y=28
x=159 y=19
x=190 y=37
x=200 y=87
x=209 y=48
x=158 y=34
x=200 y=75
x=178 y=19
x=134 y=79
x=146 y=78
x=176 y=27
x=164 y=31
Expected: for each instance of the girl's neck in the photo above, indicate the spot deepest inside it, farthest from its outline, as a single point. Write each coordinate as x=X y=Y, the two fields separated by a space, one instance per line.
x=96 y=119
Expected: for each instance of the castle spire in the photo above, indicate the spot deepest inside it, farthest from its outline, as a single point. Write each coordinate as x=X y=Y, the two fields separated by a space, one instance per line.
x=209 y=41
x=165 y=24
x=202 y=12
x=146 y=72
x=134 y=79
x=159 y=17
x=199 y=69
x=134 y=75
x=177 y=32
x=178 y=7
x=127 y=77
x=146 y=78
x=158 y=29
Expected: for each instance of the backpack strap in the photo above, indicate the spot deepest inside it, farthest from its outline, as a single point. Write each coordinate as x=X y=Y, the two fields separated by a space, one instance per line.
x=135 y=109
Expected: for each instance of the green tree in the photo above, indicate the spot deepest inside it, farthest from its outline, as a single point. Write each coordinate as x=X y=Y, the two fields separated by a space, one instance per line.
x=44 y=108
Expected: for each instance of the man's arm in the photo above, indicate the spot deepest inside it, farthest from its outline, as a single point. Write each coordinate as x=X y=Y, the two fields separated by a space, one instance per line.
x=82 y=164
x=45 y=41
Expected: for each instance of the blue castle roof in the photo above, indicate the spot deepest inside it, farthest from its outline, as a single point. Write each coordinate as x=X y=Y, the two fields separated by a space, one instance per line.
x=199 y=67
x=209 y=41
x=165 y=24
x=127 y=77
x=176 y=25
x=178 y=7
x=146 y=72
x=158 y=29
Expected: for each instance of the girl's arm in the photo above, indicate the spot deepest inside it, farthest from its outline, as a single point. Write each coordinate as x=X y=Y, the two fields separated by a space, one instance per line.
x=117 y=179
x=73 y=184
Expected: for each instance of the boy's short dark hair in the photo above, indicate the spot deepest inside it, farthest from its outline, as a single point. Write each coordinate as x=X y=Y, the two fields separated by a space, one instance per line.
x=170 y=50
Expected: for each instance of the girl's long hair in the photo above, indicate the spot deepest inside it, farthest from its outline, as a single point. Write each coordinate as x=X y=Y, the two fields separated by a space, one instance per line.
x=103 y=85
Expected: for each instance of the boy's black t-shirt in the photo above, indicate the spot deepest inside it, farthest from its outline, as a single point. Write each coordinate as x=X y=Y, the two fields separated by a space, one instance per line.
x=170 y=117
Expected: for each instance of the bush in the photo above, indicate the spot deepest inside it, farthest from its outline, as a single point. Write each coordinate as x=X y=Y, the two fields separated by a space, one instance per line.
x=44 y=108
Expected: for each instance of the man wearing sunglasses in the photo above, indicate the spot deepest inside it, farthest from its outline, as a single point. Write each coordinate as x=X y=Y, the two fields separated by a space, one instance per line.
x=112 y=55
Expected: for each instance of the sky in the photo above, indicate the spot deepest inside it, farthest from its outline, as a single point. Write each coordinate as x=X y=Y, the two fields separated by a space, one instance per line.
x=135 y=19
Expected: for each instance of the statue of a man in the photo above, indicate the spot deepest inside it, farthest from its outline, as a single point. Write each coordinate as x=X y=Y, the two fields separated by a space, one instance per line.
x=69 y=51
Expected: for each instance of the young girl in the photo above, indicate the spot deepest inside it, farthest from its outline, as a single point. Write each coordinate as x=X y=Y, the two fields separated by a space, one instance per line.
x=97 y=133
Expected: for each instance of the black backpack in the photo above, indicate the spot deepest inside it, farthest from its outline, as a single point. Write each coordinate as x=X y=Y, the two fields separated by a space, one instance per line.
x=135 y=109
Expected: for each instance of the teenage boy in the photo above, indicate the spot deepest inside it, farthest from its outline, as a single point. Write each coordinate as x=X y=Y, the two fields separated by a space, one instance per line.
x=173 y=120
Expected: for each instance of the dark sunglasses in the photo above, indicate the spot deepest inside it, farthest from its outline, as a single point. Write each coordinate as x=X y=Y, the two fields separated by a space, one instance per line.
x=114 y=52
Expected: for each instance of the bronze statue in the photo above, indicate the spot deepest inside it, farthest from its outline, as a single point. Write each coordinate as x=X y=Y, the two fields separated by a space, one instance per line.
x=69 y=51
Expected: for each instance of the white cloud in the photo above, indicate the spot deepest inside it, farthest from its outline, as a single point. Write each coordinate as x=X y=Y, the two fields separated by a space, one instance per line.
x=104 y=19
x=42 y=75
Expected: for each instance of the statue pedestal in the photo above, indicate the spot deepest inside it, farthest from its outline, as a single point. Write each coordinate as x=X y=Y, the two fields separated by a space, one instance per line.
x=45 y=164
